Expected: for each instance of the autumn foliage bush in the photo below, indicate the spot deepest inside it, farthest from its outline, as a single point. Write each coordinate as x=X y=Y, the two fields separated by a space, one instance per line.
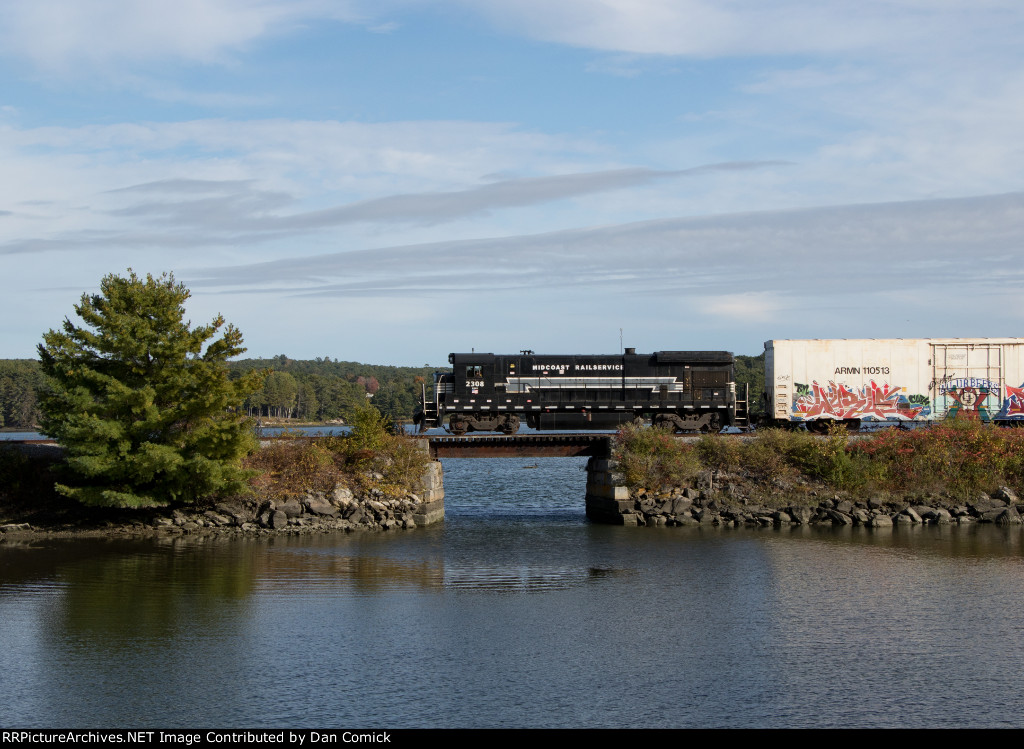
x=372 y=456
x=959 y=458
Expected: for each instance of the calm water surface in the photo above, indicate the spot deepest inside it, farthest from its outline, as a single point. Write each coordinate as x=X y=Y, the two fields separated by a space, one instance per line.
x=518 y=612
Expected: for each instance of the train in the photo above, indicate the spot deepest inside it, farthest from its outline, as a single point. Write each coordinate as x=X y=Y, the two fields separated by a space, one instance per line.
x=808 y=384
x=686 y=390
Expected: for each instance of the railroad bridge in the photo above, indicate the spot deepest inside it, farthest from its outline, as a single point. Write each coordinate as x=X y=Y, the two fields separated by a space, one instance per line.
x=606 y=500
x=519 y=446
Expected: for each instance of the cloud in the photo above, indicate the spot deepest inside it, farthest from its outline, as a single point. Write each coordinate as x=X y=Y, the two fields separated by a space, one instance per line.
x=211 y=212
x=61 y=35
x=736 y=258
x=741 y=28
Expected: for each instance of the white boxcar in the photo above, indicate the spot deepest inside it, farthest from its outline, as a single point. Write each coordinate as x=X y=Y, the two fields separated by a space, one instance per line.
x=896 y=379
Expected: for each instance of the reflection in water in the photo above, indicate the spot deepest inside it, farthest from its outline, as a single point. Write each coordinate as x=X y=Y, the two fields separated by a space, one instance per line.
x=517 y=612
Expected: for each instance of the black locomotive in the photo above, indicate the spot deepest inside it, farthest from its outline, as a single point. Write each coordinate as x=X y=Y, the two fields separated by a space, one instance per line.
x=689 y=390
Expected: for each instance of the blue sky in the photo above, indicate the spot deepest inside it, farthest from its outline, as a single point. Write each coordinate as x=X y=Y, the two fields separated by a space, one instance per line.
x=390 y=181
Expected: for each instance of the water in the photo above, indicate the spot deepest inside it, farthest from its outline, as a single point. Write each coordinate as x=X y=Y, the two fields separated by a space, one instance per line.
x=518 y=612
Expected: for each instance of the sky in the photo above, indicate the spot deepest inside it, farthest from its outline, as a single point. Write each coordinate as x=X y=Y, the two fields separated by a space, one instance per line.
x=389 y=181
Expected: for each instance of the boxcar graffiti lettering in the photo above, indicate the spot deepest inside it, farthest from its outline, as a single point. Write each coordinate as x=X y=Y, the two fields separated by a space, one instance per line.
x=959 y=383
x=840 y=401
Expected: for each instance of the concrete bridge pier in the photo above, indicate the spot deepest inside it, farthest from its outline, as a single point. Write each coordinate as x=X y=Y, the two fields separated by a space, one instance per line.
x=607 y=497
x=431 y=492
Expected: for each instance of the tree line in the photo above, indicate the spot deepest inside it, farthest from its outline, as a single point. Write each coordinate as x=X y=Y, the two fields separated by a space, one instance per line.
x=319 y=389
x=323 y=389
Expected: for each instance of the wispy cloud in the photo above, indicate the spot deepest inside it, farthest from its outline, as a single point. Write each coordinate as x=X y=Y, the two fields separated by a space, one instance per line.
x=844 y=250
x=705 y=28
x=62 y=36
x=211 y=212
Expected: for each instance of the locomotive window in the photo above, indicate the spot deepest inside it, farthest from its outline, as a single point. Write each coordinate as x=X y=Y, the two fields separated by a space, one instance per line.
x=474 y=372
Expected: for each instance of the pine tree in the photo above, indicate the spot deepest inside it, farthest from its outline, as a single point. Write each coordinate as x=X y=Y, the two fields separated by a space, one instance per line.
x=147 y=416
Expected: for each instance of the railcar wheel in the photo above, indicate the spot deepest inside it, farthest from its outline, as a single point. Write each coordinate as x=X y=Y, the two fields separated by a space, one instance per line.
x=458 y=427
x=509 y=424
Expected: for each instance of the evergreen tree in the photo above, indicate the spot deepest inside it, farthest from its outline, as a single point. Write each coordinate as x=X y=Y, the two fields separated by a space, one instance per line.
x=147 y=416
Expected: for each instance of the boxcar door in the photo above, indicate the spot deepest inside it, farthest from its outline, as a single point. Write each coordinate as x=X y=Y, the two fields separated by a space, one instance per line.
x=968 y=380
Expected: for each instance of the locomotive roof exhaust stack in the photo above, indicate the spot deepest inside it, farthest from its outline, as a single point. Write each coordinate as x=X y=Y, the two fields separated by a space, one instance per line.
x=630 y=350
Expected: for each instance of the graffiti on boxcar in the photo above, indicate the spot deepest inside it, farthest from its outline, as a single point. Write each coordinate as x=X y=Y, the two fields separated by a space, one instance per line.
x=970 y=397
x=1013 y=406
x=841 y=401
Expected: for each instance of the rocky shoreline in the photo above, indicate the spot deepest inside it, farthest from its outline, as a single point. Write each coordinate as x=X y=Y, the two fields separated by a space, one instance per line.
x=338 y=510
x=719 y=498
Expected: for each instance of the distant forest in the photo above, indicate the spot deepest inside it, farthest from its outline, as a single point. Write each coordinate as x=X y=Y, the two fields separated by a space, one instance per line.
x=306 y=390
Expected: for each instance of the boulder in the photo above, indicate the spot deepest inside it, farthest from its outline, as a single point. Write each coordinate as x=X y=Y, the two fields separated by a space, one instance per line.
x=342 y=494
x=292 y=508
x=911 y=514
x=1009 y=516
x=1007 y=494
x=217 y=519
x=318 y=506
x=800 y=513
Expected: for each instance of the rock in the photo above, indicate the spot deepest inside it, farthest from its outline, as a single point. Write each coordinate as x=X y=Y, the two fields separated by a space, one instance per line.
x=681 y=506
x=781 y=518
x=801 y=514
x=292 y=508
x=14 y=527
x=163 y=523
x=217 y=519
x=1007 y=494
x=839 y=518
x=845 y=507
x=318 y=506
x=881 y=520
x=861 y=516
x=1009 y=516
x=278 y=519
x=990 y=516
x=911 y=514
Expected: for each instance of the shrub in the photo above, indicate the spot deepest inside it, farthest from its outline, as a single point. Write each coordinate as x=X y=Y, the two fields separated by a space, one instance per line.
x=372 y=456
x=650 y=457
